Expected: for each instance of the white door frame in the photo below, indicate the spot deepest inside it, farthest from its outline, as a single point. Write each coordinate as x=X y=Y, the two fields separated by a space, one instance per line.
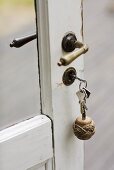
x=54 y=19
x=26 y=144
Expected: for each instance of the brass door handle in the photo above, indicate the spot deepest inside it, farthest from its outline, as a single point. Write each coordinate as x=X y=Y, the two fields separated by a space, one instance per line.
x=70 y=43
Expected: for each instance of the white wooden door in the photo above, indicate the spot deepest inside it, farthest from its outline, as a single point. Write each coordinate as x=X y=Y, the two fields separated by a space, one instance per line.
x=46 y=141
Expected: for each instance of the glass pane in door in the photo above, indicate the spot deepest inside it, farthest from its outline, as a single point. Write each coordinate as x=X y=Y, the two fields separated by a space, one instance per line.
x=19 y=79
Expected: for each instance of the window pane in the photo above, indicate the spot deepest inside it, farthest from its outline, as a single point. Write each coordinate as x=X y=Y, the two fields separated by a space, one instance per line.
x=19 y=80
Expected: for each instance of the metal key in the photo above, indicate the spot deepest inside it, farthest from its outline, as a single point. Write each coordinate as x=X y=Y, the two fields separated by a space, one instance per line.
x=88 y=93
x=81 y=95
x=83 y=109
x=82 y=100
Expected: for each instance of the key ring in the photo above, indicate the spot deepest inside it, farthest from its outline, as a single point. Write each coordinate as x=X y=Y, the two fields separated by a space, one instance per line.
x=81 y=82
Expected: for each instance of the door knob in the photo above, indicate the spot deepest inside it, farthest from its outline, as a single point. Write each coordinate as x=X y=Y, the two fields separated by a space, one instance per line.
x=69 y=44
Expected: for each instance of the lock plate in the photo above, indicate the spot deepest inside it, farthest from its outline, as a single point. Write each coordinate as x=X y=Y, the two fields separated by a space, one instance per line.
x=69 y=76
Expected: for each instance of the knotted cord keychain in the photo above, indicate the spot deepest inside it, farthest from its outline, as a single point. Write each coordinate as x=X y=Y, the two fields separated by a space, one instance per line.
x=83 y=127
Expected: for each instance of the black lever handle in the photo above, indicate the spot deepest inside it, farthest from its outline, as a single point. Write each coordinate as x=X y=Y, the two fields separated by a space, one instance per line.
x=19 y=42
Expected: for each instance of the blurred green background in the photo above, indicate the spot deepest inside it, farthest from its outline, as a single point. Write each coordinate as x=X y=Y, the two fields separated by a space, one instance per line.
x=15 y=14
x=16 y=2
